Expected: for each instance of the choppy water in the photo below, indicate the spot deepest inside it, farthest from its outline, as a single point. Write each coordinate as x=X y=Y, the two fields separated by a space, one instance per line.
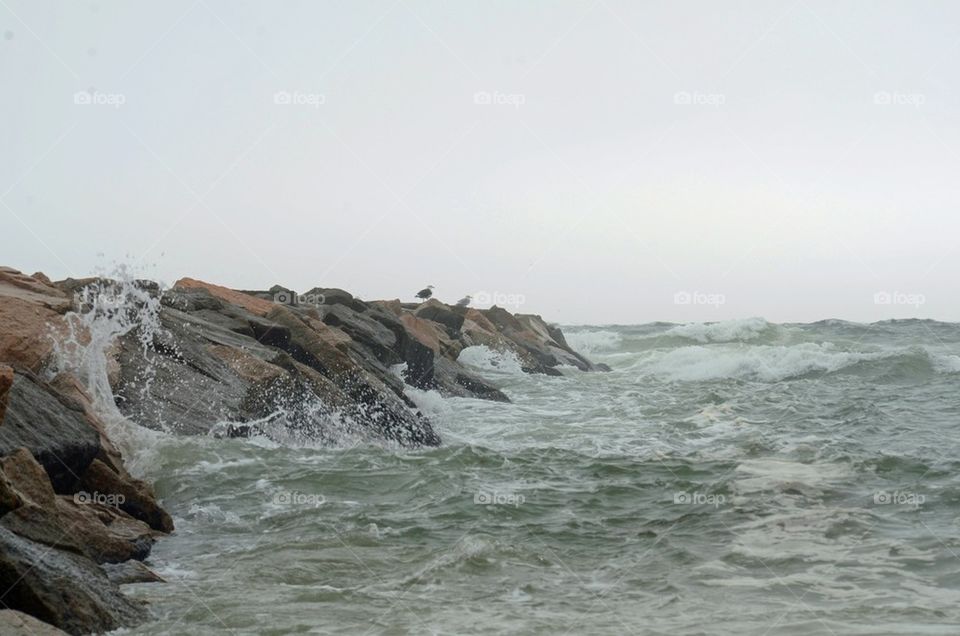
x=736 y=478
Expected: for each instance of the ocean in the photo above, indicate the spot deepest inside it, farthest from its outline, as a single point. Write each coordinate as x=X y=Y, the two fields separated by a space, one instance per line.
x=740 y=477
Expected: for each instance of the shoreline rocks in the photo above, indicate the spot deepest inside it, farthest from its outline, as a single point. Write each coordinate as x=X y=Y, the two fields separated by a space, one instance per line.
x=199 y=359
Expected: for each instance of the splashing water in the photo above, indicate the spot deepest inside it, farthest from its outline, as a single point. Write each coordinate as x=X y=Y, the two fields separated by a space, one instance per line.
x=106 y=310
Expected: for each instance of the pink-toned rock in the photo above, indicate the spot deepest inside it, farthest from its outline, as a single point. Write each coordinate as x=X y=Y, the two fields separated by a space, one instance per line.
x=43 y=278
x=15 y=284
x=254 y=305
x=432 y=335
x=29 y=317
x=425 y=331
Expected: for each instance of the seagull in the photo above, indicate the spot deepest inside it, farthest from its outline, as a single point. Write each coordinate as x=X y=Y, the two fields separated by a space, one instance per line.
x=426 y=292
x=465 y=301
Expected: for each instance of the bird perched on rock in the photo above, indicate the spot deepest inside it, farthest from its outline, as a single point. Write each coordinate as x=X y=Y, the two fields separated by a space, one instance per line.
x=425 y=293
x=465 y=301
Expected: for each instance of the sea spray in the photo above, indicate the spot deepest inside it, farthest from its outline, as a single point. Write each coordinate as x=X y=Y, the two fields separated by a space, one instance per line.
x=106 y=310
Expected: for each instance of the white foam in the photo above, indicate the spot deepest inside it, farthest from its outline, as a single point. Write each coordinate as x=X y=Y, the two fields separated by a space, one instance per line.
x=739 y=330
x=766 y=363
x=109 y=310
x=945 y=363
x=484 y=358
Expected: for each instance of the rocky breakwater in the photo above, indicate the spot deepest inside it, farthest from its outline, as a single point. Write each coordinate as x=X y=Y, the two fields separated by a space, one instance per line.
x=321 y=365
x=198 y=359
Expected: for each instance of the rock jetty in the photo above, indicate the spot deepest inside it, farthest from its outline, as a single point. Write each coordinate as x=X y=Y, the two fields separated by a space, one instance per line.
x=196 y=359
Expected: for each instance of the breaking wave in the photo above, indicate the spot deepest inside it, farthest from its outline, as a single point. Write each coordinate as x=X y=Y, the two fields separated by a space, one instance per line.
x=742 y=330
x=768 y=363
x=587 y=342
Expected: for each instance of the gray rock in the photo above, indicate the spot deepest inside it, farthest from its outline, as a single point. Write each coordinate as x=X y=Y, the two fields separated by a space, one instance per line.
x=130 y=572
x=451 y=379
x=52 y=428
x=335 y=296
x=438 y=312
x=67 y=590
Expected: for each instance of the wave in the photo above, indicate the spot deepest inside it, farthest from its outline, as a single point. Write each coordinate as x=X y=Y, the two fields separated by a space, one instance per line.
x=768 y=363
x=588 y=341
x=739 y=330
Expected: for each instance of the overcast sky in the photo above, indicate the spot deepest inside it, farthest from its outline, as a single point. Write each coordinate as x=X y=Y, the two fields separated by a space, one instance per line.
x=602 y=162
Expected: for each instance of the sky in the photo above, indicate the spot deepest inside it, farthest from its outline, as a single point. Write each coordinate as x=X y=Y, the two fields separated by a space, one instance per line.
x=594 y=162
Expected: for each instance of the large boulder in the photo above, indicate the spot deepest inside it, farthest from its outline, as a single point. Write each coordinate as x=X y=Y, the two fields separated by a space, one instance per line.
x=258 y=306
x=30 y=312
x=334 y=296
x=67 y=590
x=135 y=497
x=52 y=428
x=449 y=317
x=87 y=523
